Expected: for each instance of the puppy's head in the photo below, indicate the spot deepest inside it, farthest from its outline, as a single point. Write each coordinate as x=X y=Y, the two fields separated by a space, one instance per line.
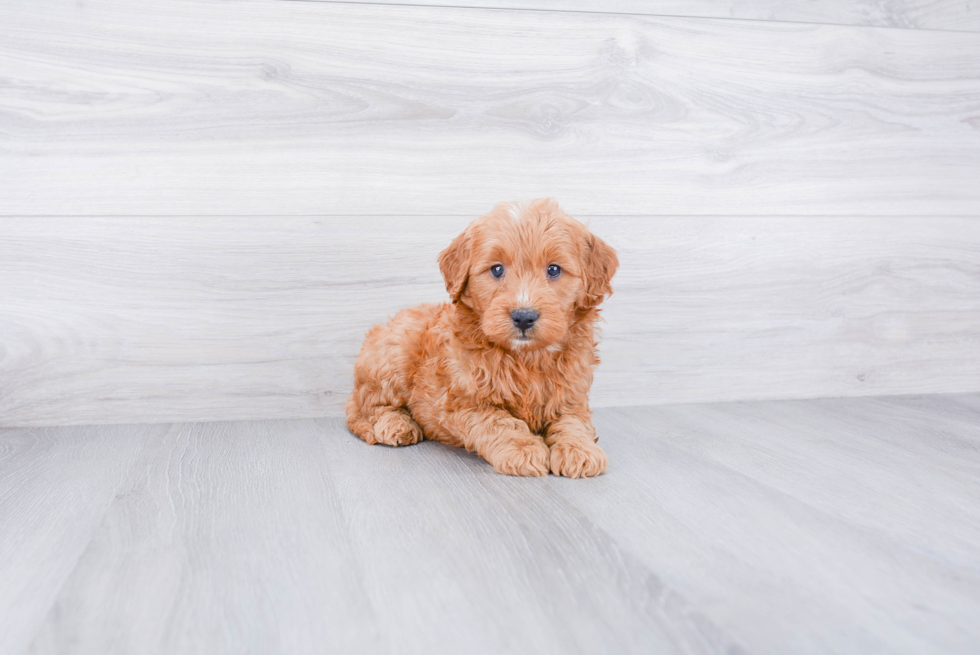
x=527 y=272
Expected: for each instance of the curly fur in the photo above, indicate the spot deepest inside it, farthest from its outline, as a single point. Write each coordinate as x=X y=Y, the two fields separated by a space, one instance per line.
x=460 y=372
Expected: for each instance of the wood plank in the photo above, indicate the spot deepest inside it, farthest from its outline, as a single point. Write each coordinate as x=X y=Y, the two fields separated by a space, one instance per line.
x=188 y=107
x=163 y=319
x=228 y=538
x=833 y=525
x=961 y=407
x=953 y=15
x=875 y=440
x=295 y=537
x=55 y=488
x=791 y=535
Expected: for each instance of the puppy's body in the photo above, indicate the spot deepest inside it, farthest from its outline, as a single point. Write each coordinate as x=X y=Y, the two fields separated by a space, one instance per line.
x=514 y=390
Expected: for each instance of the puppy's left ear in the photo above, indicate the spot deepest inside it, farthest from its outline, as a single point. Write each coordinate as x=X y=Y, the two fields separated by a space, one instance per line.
x=454 y=262
x=599 y=266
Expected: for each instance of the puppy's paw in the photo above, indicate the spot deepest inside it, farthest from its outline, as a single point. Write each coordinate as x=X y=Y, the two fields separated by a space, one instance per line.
x=577 y=459
x=396 y=428
x=525 y=456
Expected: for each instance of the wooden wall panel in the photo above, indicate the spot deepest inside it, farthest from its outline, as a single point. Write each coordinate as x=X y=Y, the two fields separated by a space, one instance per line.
x=172 y=319
x=288 y=108
x=956 y=15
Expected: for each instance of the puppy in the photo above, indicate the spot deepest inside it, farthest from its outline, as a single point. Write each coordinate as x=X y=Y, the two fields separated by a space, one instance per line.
x=503 y=370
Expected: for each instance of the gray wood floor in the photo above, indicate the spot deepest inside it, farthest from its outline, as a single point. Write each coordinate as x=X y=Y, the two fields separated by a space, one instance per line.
x=848 y=526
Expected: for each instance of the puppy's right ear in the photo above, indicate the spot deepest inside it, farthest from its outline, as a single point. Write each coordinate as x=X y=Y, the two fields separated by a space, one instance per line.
x=601 y=263
x=454 y=262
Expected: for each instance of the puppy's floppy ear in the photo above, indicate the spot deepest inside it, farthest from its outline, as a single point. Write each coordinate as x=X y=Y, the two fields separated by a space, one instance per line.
x=599 y=266
x=454 y=262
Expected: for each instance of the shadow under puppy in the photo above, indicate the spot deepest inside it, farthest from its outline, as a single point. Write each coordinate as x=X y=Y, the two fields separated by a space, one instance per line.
x=505 y=369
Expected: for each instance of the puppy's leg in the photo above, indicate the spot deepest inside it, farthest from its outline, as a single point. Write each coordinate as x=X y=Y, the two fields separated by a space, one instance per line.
x=384 y=424
x=501 y=439
x=574 y=452
x=376 y=410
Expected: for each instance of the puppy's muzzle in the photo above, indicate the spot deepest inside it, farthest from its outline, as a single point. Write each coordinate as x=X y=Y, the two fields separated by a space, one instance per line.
x=524 y=318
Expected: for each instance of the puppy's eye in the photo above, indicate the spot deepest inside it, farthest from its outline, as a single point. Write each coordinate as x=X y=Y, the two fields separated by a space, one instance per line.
x=554 y=271
x=496 y=270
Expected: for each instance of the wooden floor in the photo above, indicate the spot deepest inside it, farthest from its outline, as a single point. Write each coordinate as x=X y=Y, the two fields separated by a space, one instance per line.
x=847 y=526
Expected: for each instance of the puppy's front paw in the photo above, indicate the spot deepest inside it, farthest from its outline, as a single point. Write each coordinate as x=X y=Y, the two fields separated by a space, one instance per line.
x=395 y=427
x=577 y=459
x=525 y=456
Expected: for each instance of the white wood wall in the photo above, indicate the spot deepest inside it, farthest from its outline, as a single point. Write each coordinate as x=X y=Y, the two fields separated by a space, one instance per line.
x=204 y=204
x=954 y=15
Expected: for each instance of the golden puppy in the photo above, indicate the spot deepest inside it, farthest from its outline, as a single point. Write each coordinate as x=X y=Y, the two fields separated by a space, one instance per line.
x=505 y=369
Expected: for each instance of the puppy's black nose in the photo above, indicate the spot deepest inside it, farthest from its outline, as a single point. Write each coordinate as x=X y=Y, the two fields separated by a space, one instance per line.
x=524 y=318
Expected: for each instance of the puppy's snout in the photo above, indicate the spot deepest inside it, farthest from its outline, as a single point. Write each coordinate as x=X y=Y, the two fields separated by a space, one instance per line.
x=524 y=318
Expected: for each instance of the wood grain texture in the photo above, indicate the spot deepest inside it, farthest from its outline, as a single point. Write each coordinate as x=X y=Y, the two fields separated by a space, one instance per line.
x=280 y=534
x=845 y=525
x=957 y=15
x=55 y=489
x=163 y=319
x=844 y=513
x=227 y=538
x=268 y=108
